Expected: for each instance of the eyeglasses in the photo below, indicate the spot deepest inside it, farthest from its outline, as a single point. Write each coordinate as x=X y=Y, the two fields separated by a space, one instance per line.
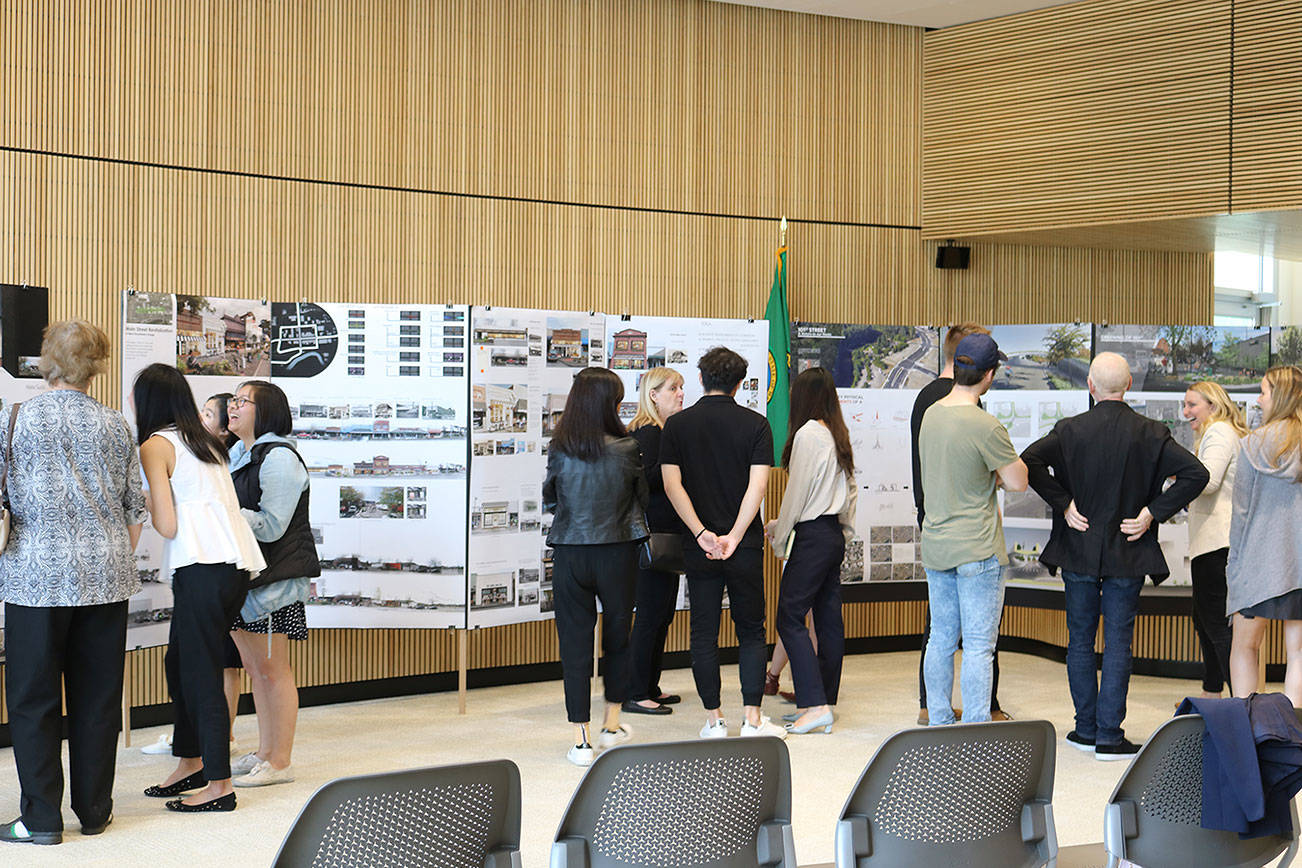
x=239 y=401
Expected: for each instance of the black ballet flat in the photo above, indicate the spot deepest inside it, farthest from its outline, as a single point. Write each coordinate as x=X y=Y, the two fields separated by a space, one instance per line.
x=221 y=803
x=195 y=781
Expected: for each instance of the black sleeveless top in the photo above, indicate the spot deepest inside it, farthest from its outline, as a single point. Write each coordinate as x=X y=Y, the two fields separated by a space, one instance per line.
x=293 y=556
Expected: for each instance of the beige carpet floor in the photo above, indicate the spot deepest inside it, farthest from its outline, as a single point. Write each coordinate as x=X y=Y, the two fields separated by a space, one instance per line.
x=526 y=723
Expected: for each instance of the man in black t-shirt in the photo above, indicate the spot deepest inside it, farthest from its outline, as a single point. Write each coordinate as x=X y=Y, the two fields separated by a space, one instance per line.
x=714 y=459
x=930 y=394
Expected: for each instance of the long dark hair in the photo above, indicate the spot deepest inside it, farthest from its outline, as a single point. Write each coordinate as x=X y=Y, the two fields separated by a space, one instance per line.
x=591 y=412
x=223 y=418
x=813 y=396
x=163 y=400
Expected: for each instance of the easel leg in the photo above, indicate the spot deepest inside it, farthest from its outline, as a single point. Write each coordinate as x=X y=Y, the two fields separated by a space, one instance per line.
x=463 y=663
x=126 y=703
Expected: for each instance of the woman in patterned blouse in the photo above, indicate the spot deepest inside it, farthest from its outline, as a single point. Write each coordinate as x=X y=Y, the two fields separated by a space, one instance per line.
x=65 y=576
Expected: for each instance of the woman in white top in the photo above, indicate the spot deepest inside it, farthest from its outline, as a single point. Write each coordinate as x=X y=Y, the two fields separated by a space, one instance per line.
x=210 y=554
x=1219 y=425
x=818 y=507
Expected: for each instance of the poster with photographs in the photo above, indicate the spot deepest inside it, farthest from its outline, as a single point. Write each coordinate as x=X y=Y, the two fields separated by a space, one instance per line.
x=379 y=396
x=381 y=425
x=639 y=343
x=1043 y=380
x=217 y=343
x=521 y=365
x=878 y=371
x=1164 y=361
x=636 y=344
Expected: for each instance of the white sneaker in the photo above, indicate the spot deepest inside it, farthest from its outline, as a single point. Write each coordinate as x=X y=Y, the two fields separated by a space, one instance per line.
x=718 y=729
x=162 y=746
x=581 y=756
x=263 y=775
x=610 y=739
x=766 y=727
x=244 y=764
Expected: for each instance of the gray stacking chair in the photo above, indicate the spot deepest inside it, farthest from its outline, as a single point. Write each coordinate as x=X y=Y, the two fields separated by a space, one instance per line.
x=462 y=816
x=977 y=795
x=1153 y=816
x=704 y=803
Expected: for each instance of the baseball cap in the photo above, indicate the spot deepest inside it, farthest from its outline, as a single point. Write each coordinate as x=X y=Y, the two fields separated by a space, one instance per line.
x=981 y=349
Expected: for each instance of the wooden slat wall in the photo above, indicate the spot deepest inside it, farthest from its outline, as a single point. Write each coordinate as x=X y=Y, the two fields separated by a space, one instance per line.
x=1094 y=112
x=1267 y=171
x=665 y=106
x=680 y=104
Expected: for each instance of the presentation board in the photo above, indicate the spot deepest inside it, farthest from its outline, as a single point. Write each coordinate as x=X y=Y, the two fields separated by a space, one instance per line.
x=878 y=370
x=635 y=344
x=521 y=365
x=379 y=397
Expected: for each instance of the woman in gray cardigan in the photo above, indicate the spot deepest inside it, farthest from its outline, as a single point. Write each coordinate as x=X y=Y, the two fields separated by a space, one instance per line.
x=1264 y=572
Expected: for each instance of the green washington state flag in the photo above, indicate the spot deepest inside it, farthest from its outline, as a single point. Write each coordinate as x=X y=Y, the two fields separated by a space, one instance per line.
x=779 y=396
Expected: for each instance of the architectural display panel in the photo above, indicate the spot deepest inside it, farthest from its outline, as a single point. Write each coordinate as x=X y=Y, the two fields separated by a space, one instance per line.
x=521 y=365
x=878 y=370
x=380 y=419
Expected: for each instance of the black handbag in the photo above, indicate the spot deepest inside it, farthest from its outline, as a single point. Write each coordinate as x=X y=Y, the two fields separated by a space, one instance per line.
x=662 y=552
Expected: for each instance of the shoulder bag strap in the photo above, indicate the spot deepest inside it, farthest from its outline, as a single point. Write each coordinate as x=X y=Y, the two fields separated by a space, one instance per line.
x=9 y=456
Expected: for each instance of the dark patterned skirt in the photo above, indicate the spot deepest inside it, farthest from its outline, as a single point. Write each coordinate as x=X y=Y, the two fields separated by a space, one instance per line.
x=1285 y=607
x=290 y=620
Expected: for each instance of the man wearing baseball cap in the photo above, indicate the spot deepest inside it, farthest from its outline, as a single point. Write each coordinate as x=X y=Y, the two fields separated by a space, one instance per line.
x=965 y=454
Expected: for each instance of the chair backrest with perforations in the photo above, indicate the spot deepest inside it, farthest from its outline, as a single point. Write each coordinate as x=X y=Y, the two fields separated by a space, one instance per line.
x=706 y=803
x=976 y=795
x=1159 y=802
x=461 y=816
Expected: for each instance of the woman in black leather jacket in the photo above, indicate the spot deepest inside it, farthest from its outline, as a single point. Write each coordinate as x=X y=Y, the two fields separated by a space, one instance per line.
x=598 y=494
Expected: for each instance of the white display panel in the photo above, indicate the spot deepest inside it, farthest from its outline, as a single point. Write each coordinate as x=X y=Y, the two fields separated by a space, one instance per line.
x=379 y=396
x=1043 y=381
x=878 y=370
x=522 y=363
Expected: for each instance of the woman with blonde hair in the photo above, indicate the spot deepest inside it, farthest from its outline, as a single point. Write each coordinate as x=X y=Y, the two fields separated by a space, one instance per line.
x=1218 y=425
x=76 y=505
x=1264 y=570
x=660 y=395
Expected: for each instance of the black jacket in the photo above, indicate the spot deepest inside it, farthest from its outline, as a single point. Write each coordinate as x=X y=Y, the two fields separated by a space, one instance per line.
x=1112 y=462
x=596 y=502
x=660 y=513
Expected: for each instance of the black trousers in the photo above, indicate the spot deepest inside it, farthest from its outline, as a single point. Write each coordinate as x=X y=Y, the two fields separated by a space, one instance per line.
x=922 y=682
x=582 y=575
x=656 y=594
x=83 y=650
x=743 y=577
x=1210 y=621
x=206 y=599
x=811 y=582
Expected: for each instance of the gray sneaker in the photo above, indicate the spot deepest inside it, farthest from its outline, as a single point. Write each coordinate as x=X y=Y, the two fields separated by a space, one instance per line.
x=244 y=764
x=263 y=775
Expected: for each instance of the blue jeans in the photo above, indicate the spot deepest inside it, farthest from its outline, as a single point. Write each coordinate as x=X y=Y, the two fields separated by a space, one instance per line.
x=966 y=601
x=1100 y=703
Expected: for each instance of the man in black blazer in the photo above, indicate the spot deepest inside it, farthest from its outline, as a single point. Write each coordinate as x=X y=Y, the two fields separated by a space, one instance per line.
x=1102 y=472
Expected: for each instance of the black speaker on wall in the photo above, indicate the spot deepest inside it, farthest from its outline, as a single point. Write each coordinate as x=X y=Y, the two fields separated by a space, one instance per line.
x=953 y=256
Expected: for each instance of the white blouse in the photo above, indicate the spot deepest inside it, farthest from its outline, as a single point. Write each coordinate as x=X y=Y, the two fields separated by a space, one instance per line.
x=816 y=486
x=209 y=526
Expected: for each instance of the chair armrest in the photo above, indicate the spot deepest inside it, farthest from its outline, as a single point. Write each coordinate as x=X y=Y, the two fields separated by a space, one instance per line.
x=503 y=857
x=1038 y=828
x=1120 y=821
x=775 y=845
x=569 y=853
x=853 y=841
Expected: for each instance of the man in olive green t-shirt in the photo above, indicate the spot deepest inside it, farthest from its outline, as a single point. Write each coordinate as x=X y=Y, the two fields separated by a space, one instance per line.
x=965 y=453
